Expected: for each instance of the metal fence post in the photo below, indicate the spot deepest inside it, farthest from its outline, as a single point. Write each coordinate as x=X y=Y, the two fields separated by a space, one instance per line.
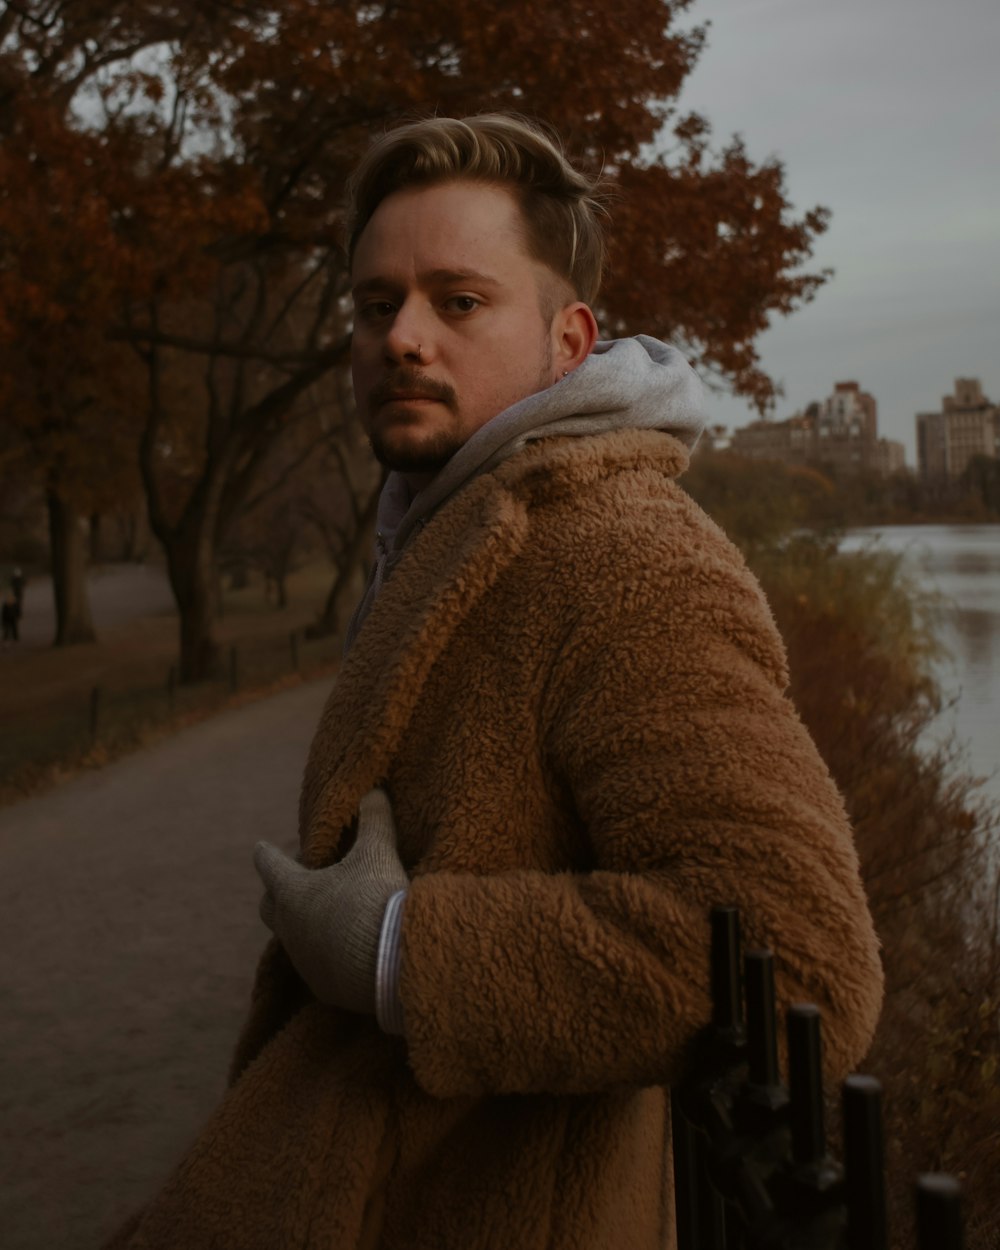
x=685 y=1180
x=939 y=1214
x=864 y=1164
x=805 y=1085
x=727 y=991
x=751 y=1166
x=762 y=1030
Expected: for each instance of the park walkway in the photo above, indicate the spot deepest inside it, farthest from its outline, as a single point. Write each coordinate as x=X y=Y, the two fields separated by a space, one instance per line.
x=128 y=939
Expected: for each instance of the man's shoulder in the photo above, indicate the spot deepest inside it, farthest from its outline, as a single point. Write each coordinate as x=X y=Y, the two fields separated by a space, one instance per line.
x=614 y=493
x=564 y=466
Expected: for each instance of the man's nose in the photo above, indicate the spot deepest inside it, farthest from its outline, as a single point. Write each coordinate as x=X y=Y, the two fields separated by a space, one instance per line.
x=410 y=337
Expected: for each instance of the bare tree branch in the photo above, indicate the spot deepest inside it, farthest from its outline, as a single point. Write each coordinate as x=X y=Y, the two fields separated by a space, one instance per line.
x=149 y=442
x=317 y=361
x=265 y=493
x=311 y=273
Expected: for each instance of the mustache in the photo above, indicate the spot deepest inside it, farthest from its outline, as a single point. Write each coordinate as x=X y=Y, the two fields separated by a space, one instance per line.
x=412 y=383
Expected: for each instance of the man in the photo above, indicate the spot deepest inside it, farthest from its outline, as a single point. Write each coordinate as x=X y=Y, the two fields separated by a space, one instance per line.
x=559 y=735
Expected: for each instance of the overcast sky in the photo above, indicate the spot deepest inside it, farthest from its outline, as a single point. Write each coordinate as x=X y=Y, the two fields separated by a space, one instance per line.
x=888 y=113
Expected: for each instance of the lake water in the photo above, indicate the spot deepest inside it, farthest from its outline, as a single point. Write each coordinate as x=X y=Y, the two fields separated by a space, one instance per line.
x=962 y=564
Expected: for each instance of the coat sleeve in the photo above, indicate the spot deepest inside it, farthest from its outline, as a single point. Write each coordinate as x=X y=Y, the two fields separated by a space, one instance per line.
x=697 y=784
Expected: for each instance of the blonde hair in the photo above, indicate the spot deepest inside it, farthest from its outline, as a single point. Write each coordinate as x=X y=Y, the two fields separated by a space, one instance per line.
x=561 y=206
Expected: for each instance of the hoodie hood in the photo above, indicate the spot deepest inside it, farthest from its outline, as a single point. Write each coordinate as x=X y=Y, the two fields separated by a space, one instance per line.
x=637 y=383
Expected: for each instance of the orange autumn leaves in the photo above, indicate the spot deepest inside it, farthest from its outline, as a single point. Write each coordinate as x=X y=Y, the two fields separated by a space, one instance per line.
x=148 y=143
x=171 y=180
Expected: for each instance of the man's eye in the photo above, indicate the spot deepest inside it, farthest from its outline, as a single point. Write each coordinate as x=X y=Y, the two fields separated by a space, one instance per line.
x=376 y=310
x=461 y=303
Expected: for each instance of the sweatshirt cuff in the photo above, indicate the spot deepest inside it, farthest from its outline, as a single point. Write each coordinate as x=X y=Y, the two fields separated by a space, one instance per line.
x=388 y=1007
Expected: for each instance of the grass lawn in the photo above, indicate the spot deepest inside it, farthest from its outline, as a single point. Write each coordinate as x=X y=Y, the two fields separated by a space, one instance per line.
x=47 y=693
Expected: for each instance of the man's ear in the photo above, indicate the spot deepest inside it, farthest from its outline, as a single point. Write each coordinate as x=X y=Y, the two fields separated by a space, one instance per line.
x=574 y=333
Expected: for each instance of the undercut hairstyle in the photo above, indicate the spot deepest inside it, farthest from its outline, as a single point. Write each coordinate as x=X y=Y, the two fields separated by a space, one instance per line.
x=562 y=208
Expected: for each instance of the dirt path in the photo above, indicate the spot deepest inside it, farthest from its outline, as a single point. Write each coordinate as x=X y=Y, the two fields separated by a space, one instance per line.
x=128 y=939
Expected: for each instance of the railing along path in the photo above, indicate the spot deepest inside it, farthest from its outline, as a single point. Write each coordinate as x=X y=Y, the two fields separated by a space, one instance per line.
x=751 y=1166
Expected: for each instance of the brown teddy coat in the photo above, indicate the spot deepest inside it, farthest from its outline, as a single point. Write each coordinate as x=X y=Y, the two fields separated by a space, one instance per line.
x=574 y=692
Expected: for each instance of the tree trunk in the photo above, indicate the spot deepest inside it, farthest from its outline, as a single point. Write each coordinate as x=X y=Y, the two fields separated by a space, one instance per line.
x=133 y=530
x=68 y=541
x=348 y=581
x=94 y=538
x=334 y=609
x=191 y=566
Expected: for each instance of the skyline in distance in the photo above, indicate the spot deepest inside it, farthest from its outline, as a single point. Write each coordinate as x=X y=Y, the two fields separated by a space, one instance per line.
x=888 y=116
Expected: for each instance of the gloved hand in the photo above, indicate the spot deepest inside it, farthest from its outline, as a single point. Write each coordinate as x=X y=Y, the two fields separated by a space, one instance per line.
x=329 y=919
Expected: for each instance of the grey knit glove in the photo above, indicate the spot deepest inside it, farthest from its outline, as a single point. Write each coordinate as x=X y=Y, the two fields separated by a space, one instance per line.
x=329 y=920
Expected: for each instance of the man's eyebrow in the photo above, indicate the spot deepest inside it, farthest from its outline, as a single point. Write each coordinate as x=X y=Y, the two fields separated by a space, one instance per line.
x=431 y=277
x=460 y=275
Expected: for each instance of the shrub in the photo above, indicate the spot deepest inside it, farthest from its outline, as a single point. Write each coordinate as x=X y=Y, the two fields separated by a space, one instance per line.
x=860 y=651
x=861 y=648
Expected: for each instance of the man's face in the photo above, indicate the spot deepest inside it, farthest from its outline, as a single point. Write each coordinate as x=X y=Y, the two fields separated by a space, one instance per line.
x=448 y=323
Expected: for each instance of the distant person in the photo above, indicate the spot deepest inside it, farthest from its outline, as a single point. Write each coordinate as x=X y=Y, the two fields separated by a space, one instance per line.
x=10 y=613
x=560 y=734
x=17 y=584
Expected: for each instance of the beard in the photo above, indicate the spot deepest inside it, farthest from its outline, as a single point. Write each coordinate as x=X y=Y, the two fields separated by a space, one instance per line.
x=427 y=454
x=428 y=457
x=402 y=447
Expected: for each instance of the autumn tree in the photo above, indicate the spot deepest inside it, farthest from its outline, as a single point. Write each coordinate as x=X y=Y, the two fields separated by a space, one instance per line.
x=68 y=393
x=60 y=378
x=981 y=480
x=84 y=235
x=760 y=501
x=233 y=129
x=315 y=494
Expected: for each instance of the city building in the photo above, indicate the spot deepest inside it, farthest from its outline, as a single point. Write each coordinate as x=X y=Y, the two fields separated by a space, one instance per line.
x=890 y=457
x=968 y=425
x=850 y=410
x=839 y=433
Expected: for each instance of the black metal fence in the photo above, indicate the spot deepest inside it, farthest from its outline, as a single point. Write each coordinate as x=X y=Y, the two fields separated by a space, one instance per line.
x=139 y=696
x=751 y=1166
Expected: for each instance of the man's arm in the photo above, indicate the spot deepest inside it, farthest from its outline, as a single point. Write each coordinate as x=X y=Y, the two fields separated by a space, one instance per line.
x=697 y=784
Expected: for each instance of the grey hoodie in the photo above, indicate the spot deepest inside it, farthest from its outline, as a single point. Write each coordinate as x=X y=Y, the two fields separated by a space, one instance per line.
x=636 y=384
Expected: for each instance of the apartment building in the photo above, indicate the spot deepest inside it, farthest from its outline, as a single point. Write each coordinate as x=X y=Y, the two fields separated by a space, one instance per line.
x=839 y=432
x=968 y=425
